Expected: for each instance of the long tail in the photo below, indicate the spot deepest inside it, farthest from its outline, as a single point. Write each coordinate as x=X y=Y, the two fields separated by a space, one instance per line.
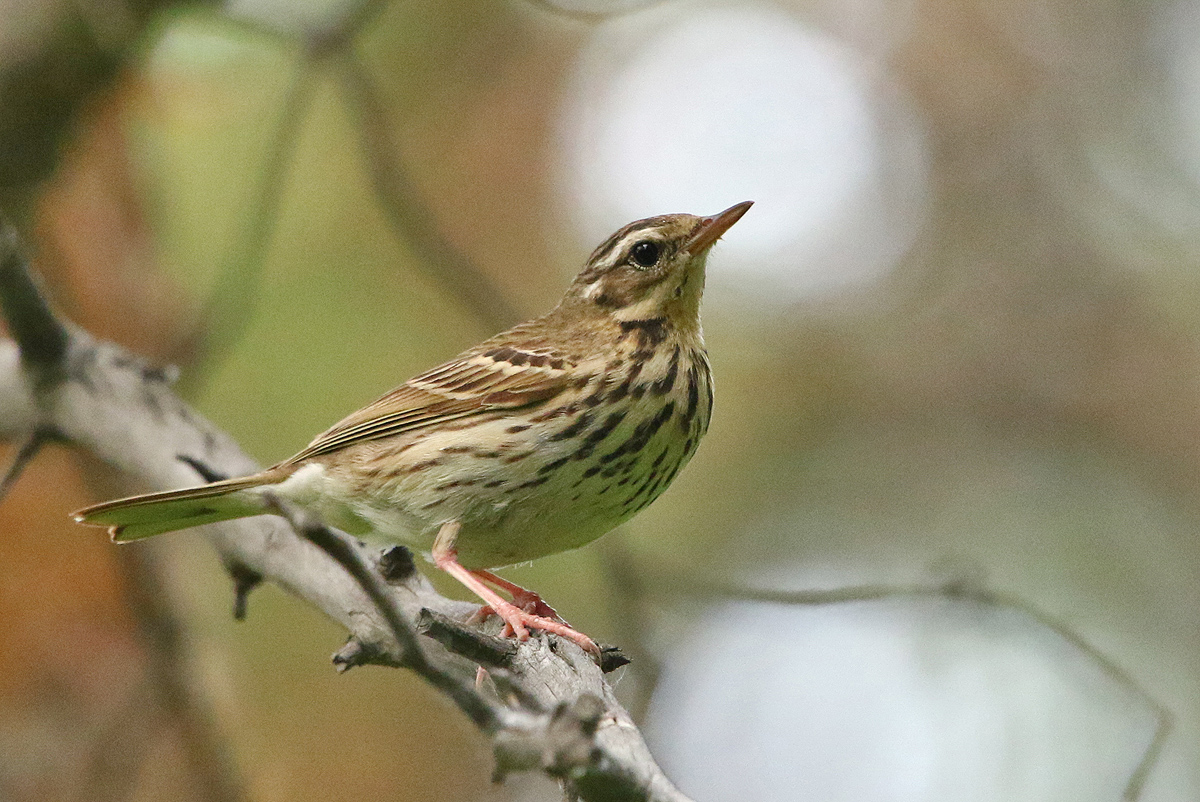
x=142 y=516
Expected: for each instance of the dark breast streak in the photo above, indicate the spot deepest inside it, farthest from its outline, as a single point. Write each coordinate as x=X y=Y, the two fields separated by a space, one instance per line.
x=693 y=423
x=669 y=409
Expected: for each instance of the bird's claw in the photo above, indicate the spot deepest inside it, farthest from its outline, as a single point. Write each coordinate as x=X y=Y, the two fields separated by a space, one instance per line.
x=518 y=622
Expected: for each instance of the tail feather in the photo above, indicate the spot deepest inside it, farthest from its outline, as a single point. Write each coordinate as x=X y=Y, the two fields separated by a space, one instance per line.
x=142 y=516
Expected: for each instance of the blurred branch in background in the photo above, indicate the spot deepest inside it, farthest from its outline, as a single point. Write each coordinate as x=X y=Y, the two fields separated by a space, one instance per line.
x=172 y=690
x=65 y=53
x=409 y=217
x=232 y=301
x=968 y=591
x=57 y=56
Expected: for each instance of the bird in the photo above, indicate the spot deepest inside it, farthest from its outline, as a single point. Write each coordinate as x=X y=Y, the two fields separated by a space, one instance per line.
x=538 y=440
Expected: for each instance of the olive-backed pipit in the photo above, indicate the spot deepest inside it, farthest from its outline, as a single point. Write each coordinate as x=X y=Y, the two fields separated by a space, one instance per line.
x=535 y=441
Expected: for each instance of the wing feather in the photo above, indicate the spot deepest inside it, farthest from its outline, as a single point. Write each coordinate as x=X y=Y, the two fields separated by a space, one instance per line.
x=479 y=381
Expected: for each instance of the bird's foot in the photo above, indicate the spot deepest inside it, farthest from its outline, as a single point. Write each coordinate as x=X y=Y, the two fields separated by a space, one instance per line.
x=532 y=603
x=524 y=598
x=525 y=612
x=518 y=622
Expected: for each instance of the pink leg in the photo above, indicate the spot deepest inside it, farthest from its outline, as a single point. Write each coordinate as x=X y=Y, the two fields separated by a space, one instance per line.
x=520 y=621
x=526 y=599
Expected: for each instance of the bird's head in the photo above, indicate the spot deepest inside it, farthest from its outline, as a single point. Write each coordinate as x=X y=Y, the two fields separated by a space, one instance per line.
x=653 y=267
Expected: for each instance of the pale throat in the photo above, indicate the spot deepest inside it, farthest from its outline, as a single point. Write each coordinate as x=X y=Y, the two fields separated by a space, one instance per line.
x=677 y=300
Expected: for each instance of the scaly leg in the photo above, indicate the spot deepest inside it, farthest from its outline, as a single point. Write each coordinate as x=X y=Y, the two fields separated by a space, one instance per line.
x=520 y=621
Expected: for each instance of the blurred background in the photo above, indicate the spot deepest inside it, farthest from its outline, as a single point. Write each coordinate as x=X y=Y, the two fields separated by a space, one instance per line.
x=956 y=344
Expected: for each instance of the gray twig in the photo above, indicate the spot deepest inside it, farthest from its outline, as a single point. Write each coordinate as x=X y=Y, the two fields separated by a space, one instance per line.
x=481 y=714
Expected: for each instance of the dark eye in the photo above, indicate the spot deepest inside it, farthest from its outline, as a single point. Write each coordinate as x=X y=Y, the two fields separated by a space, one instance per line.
x=645 y=253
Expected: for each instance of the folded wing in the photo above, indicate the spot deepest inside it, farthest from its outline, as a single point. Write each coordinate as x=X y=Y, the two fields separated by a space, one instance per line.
x=485 y=380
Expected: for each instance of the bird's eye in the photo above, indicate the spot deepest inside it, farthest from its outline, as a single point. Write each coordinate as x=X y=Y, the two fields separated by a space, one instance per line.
x=645 y=253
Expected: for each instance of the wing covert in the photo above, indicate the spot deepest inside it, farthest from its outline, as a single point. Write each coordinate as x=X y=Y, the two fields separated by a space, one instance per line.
x=479 y=381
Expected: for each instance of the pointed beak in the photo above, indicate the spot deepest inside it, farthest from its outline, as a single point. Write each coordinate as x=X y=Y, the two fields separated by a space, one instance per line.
x=711 y=228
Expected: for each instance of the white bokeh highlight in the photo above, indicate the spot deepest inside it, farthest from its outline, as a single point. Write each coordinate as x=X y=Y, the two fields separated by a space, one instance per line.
x=690 y=108
x=595 y=7
x=288 y=16
x=1177 y=40
x=904 y=700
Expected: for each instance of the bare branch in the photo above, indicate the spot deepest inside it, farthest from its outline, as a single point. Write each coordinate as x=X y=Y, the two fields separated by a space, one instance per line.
x=476 y=646
x=414 y=657
x=559 y=715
